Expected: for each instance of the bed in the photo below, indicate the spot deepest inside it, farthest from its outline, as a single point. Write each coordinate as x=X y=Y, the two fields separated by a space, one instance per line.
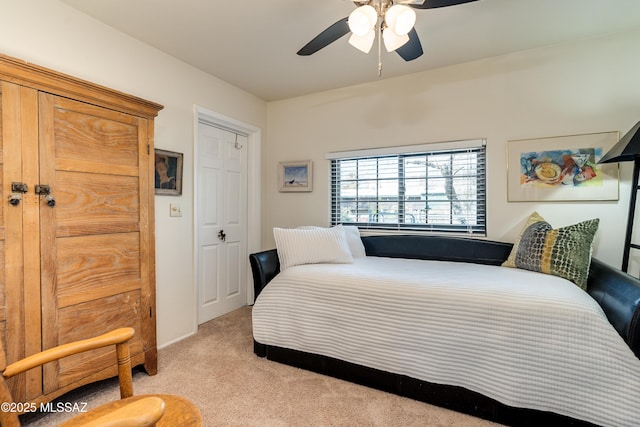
x=440 y=320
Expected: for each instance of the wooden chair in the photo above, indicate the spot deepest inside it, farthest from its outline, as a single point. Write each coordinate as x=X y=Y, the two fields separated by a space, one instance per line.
x=147 y=410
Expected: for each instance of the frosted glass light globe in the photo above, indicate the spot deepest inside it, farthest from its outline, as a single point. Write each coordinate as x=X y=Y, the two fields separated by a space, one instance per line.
x=400 y=19
x=362 y=20
x=363 y=43
x=392 y=41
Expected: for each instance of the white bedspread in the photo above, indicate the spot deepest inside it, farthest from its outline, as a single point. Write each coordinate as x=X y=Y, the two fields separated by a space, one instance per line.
x=525 y=339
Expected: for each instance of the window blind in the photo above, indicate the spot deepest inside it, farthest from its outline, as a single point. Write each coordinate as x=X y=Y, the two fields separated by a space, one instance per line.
x=442 y=190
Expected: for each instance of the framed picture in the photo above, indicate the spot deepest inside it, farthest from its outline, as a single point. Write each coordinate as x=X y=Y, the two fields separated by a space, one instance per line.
x=295 y=176
x=168 y=166
x=562 y=168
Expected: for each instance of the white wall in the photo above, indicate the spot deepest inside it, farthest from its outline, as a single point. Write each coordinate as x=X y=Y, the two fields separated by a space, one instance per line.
x=591 y=86
x=53 y=35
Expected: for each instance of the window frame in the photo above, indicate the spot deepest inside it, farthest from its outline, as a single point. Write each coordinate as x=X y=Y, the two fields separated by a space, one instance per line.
x=477 y=220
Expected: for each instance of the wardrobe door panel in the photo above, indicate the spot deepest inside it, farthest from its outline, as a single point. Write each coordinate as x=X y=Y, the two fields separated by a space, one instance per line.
x=95 y=238
x=19 y=249
x=78 y=321
x=104 y=265
x=5 y=189
x=3 y=197
x=105 y=137
x=96 y=203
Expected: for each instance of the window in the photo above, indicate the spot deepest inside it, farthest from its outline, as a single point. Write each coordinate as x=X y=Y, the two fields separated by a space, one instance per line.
x=435 y=187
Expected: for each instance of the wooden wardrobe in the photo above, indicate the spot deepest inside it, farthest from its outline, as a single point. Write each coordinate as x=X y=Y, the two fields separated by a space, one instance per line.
x=77 y=253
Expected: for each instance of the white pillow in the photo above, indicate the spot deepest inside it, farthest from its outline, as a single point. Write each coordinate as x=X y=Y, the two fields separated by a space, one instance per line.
x=353 y=240
x=311 y=246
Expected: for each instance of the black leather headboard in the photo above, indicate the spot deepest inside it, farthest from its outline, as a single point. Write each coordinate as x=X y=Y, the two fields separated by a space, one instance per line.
x=439 y=248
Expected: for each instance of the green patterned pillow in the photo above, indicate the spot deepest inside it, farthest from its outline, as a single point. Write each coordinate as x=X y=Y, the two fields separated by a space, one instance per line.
x=564 y=252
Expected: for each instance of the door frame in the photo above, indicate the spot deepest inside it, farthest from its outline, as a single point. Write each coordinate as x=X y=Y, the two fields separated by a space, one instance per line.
x=254 y=142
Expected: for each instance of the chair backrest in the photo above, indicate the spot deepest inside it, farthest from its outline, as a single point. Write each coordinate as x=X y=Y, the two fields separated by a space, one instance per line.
x=119 y=337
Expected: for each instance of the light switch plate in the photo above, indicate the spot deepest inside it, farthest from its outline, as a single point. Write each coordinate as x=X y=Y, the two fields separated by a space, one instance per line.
x=175 y=209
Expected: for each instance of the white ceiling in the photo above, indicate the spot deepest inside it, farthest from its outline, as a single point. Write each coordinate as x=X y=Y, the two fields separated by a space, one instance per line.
x=252 y=44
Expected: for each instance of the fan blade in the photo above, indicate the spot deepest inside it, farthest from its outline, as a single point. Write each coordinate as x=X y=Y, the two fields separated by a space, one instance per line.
x=412 y=49
x=326 y=37
x=433 y=4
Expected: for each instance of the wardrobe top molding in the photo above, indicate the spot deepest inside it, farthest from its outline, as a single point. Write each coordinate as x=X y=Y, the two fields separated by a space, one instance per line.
x=26 y=74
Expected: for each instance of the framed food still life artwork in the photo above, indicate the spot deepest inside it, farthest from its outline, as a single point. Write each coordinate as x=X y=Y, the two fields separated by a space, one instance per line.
x=295 y=176
x=168 y=176
x=563 y=168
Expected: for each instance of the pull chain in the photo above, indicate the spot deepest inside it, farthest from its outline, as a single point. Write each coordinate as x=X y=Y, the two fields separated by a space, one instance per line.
x=379 y=46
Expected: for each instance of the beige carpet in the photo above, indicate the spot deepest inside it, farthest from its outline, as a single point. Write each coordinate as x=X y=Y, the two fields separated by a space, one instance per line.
x=217 y=370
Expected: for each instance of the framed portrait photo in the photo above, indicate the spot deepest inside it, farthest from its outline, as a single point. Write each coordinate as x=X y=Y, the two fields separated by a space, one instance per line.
x=295 y=176
x=562 y=168
x=168 y=176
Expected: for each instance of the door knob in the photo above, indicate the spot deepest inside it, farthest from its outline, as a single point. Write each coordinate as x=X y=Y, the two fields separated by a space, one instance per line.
x=45 y=190
x=14 y=199
x=221 y=235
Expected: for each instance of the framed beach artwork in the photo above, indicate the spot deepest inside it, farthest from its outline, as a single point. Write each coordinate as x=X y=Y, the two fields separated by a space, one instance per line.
x=168 y=172
x=562 y=168
x=295 y=176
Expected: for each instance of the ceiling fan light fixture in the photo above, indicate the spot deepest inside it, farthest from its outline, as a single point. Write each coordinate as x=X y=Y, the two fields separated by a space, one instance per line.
x=400 y=19
x=393 y=41
x=362 y=20
x=363 y=43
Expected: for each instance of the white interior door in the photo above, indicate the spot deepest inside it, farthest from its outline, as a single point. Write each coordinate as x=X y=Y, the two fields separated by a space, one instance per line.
x=222 y=221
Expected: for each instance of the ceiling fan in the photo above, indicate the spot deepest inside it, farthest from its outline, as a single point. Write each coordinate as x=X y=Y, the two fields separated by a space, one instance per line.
x=392 y=20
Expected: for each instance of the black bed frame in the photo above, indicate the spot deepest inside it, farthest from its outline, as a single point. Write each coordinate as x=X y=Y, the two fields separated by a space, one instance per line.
x=451 y=397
